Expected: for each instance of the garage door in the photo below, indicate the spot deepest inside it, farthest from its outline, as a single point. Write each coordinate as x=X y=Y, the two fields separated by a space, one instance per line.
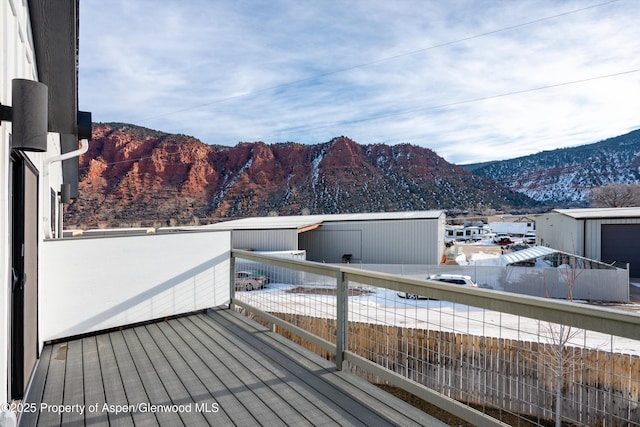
x=621 y=243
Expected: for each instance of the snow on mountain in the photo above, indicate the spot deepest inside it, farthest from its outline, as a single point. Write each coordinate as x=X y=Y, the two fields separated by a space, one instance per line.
x=564 y=177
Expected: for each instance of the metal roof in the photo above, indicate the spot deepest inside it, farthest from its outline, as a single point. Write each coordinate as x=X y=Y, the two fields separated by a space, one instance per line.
x=526 y=254
x=594 y=213
x=268 y=223
x=534 y=252
x=304 y=222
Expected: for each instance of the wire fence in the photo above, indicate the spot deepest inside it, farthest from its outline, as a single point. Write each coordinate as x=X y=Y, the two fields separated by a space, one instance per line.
x=517 y=355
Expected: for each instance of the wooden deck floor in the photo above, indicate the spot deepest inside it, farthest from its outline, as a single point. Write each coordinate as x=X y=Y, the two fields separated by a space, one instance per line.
x=215 y=368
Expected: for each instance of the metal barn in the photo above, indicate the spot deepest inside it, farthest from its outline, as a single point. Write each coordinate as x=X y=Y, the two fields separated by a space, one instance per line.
x=415 y=237
x=606 y=234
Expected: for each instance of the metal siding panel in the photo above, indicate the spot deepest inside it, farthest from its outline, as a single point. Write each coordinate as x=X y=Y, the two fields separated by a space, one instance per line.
x=545 y=228
x=331 y=241
x=568 y=234
x=592 y=239
x=601 y=213
x=55 y=38
x=383 y=242
x=265 y=240
x=336 y=243
x=560 y=232
x=306 y=243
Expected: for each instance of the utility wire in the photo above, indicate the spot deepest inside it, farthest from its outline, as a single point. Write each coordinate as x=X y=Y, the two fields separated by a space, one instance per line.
x=452 y=104
x=390 y=58
x=399 y=113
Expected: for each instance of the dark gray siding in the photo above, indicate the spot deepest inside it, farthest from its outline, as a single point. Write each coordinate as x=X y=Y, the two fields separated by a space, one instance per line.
x=621 y=243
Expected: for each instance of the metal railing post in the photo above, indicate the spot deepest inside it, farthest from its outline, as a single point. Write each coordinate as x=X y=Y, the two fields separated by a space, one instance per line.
x=342 y=321
x=232 y=281
x=528 y=309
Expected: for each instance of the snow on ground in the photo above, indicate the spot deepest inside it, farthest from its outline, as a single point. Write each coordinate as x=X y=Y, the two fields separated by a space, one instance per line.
x=469 y=260
x=383 y=306
x=483 y=242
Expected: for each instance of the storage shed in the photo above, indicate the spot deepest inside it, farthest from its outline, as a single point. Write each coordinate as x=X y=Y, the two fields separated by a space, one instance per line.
x=610 y=235
x=415 y=237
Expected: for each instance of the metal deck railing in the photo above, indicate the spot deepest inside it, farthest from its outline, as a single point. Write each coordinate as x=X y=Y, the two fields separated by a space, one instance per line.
x=470 y=351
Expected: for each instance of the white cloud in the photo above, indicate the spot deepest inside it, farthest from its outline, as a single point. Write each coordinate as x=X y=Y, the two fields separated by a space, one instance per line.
x=392 y=72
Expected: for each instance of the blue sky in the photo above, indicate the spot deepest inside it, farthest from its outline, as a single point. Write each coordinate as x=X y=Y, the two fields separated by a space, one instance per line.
x=472 y=80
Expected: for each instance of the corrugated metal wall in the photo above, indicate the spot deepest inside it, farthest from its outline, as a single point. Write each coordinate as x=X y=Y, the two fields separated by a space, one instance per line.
x=582 y=237
x=330 y=244
x=561 y=232
x=265 y=240
x=377 y=242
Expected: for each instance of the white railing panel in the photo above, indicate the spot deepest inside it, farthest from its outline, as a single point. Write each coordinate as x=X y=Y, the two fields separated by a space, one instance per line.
x=91 y=284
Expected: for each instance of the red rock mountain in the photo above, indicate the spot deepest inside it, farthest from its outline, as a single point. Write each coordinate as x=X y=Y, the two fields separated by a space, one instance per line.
x=136 y=176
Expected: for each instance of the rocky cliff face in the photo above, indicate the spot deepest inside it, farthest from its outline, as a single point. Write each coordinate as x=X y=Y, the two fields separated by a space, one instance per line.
x=136 y=176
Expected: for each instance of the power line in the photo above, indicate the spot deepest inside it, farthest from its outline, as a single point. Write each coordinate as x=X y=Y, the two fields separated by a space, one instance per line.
x=390 y=58
x=455 y=103
x=399 y=113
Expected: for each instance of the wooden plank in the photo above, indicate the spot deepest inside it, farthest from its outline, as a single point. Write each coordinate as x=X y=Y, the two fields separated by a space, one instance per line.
x=112 y=381
x=292 y=405
x=255 y=376
x=180 y=401
x=209 y=372
x=36 y=389
x=93 y=387
x=74 y=386
x=203 y=400
x=133 y=387
x=323 y=382
x=150 y=378
x=334 y=401
x=236 y=376
x=54 y=386
x=283 y=375
x=350 y=393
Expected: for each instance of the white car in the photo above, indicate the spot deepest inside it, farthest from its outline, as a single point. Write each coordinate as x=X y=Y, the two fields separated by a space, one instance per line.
x=454 y=279
x=530 y=238
x=250 y=280
x=502 y=239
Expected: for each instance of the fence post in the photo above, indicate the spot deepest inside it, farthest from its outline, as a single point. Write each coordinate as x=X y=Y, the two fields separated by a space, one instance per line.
x=342 y=321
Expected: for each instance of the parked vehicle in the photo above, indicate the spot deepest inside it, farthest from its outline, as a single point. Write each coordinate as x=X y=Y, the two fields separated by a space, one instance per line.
x=250 y=280
x=454 y=279
x=530 y=238
x=466 y=233
x=502 y=239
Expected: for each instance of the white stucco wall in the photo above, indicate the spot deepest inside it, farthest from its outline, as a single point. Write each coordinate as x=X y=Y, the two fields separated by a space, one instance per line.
x=91 y=284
